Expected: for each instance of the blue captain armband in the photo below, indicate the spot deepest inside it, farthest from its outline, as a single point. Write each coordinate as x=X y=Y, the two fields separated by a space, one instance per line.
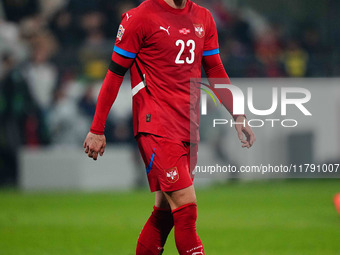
x=211 y=52
x=124 y=52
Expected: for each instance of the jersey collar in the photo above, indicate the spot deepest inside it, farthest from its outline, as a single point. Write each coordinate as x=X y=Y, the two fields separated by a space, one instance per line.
x=173 y=10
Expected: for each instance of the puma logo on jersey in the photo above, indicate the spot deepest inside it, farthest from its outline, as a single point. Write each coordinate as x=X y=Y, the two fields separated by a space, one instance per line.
x=128 y=16
x=166 y=30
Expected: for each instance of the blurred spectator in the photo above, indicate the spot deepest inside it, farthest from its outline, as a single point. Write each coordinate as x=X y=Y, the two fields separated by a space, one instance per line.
x=241 y=32
x=50 y=7
x=21 y=121
x=64 y=28
x=68 y=125
x=41 y=74
x=269 y=50
x=7 y=63
x=295 y=60
x=11 y=44
x=95 y=50
x=16 y=10
x=318 y=63
x=87 y=103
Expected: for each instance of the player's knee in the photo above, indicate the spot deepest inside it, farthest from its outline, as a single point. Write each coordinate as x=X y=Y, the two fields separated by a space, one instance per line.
x=182 y=197
x=182 y=202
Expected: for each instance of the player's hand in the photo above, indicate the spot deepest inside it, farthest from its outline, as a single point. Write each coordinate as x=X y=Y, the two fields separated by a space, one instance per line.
x=94 y=145
x=243 y=129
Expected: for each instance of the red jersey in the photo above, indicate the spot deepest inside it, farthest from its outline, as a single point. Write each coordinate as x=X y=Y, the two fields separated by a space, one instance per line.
x=168 y=45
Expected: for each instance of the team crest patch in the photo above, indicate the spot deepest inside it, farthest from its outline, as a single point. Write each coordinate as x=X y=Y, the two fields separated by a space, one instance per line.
x=199 y=30
x=172 y=174
x=120 y=33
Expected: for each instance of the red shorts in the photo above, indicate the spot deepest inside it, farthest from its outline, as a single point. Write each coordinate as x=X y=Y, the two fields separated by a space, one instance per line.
x=169 y=163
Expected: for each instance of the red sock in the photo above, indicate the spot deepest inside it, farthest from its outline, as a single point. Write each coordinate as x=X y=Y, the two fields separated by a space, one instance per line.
x=187 y=240
x=155 y=232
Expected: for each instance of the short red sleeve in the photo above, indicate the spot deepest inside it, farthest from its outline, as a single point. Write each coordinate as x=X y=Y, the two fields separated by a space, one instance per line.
x=211 y=38
x=130 y=35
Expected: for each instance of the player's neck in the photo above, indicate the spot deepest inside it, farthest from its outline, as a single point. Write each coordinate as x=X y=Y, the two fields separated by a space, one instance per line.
x=177 y=4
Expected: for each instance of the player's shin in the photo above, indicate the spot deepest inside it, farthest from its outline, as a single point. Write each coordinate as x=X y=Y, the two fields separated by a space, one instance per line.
x=155 y=232
x=187 y=240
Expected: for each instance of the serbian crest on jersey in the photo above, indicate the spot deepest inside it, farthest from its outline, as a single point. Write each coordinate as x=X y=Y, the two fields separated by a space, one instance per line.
x=120 y=33
x=199 y=30
x=172 y=175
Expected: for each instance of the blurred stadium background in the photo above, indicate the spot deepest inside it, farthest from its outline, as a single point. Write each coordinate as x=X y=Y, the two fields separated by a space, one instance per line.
x=53 y=57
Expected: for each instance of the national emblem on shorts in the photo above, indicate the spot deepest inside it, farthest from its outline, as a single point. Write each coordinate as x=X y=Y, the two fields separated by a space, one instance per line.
x=172 y=174
x=199 y=30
